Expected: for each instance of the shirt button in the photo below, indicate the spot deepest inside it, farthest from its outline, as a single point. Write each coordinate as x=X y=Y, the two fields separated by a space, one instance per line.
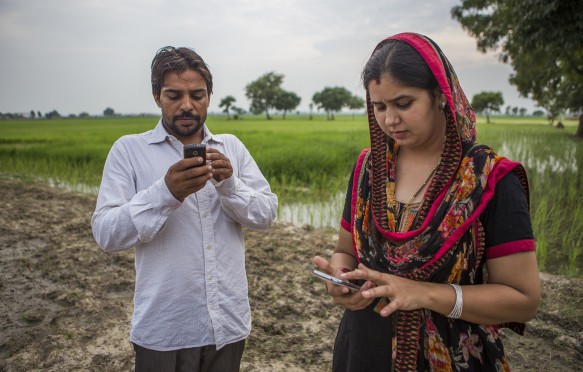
x=210 y=246
x=209 y=277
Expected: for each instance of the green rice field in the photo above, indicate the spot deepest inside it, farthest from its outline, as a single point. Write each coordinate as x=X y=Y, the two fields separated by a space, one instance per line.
x=308 y=162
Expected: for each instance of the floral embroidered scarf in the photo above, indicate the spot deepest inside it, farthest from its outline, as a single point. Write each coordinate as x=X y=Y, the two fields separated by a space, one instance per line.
x=445 y=243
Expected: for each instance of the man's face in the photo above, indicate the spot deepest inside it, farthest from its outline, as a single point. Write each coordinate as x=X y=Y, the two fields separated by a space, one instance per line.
x=184 y=101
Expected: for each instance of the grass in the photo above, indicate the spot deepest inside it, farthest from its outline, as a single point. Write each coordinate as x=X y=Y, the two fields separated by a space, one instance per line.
x=308 y=162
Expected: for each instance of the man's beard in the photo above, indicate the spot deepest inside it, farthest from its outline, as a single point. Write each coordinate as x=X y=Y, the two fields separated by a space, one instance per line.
x=182 y=131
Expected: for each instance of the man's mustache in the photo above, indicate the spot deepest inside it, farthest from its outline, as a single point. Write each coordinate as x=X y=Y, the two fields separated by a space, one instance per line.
x=187 y=116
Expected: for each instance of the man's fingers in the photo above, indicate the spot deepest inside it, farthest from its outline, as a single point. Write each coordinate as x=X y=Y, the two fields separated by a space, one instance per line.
x=214 y=154
x=221 y=164
x=195 y=172
x=187 y=163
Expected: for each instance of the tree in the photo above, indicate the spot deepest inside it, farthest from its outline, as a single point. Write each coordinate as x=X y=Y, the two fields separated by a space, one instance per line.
x=263 y=92
x=486 y=102
x=226 y=104
x=108 y=112
x=287 y=101
x=238 y=112
x=355 y=103
x=522 y=111
x=32 y=114
x=332 y=100
x=538 y=113
x=542 y=41
x=52 y=114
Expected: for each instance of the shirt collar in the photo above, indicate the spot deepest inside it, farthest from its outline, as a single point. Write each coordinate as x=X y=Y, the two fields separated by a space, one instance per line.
x=160 y=134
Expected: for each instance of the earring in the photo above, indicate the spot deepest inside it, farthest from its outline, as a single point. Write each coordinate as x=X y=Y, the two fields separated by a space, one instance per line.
x=443 y=105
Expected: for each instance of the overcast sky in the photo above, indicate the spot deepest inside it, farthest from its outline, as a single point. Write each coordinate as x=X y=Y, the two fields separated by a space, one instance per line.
x=86 y=55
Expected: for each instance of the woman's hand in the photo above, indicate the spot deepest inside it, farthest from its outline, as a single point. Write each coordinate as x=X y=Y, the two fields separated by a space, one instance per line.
x=351 y=300
x=402 y=293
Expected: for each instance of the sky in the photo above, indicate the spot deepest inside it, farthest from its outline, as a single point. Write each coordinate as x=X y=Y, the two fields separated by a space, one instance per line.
x=78 y=56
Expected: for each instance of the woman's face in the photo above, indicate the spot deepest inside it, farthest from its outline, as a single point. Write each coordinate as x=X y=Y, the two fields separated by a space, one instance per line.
x=410 y=116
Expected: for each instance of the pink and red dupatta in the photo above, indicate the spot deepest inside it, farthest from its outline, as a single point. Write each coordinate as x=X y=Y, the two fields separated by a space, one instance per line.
x=445 y=244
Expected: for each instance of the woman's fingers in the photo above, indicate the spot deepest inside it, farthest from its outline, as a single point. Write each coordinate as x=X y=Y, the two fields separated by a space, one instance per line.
x=389 y=309
x=362 y=272
x=324 y=265
x=352 y=300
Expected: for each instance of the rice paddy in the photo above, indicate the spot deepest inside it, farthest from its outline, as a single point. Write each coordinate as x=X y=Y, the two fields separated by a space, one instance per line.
x=308 y=162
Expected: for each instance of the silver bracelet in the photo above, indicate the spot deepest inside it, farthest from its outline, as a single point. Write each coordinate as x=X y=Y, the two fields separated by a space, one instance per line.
x=456 y=313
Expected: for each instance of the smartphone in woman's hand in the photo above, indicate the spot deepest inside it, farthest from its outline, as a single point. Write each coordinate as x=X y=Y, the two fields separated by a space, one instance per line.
x=336 y=281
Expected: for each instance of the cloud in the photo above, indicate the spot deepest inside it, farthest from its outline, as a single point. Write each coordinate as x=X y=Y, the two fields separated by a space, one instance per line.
x=86 y=55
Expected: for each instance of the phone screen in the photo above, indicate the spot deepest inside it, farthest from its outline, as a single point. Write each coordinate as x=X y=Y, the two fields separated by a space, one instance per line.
x=334 y=280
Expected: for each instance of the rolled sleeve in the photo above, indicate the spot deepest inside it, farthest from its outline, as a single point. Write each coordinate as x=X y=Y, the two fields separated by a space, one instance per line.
x=124 y=217
x=149 y=210
x=227 y=187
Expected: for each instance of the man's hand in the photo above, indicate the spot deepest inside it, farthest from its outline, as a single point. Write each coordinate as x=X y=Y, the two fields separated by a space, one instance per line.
x=221 y=166
x=184 y=177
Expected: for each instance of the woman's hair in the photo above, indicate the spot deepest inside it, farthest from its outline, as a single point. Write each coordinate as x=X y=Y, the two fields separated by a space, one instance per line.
x=170 y=59
x=403 y=63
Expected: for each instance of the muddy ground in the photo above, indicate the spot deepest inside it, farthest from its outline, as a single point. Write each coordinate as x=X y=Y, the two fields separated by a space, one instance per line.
x=65 y=305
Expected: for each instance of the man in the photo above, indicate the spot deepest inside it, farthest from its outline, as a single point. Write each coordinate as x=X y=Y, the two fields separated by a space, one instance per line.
x=191 y=309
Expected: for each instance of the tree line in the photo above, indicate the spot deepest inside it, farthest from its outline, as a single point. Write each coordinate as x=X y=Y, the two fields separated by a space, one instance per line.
x=266 y=93
x=31 y=115
x=54 y=114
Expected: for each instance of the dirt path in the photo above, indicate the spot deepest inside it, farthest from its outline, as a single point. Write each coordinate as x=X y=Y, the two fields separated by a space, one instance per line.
x=65 y=305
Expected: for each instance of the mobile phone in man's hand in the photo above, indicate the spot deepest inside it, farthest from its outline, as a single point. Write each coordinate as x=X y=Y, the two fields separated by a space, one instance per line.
x=195 y=149
x=336 y=281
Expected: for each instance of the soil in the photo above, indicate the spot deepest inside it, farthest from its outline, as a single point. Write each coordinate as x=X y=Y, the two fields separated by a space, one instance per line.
x=66 y=305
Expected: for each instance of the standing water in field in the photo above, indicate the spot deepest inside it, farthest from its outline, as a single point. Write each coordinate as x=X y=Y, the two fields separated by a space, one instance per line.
x=76 y=187
x=320 y=214
x=542 y=161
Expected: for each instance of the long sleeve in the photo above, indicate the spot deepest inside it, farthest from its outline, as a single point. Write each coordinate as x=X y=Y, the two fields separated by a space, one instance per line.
x=124 y=218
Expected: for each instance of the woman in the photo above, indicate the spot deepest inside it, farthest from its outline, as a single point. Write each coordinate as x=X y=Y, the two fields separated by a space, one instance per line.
x=435 y=227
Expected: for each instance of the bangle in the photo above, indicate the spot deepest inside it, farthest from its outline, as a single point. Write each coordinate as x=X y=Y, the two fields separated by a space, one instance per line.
x=456 y=313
